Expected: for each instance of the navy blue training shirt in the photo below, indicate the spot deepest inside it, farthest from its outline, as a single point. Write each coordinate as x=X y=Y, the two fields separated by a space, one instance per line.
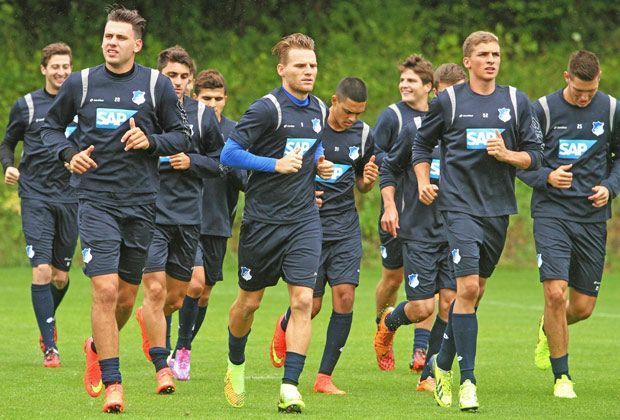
x=473 y=182
x=589 y=139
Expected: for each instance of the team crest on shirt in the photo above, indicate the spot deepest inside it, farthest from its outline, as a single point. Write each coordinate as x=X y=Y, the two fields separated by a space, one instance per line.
x=29 y=251
x=413 y=280
x=504 y=114
x=138 y=97
x=456 y=256
x=598 y=128
x=245 y=274
x=86 y=255
x=316 y=125
x=354 y=152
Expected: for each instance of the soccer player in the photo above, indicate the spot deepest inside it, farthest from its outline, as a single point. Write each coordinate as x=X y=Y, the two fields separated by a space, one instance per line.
x=278 y=139
x=348 y=143
x=422 y=233
x=486 y=132
x=127 y=115
x=172 y=251
x=571 y=204
x=48 y=203
x=416 y=76
x=219 y=205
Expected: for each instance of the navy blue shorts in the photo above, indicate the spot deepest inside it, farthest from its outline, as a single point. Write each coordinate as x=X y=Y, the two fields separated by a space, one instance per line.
x=115 y=239
x=428 y=269
x=210 y=255
x=571 y=251
x=476 y=243
x=339 y=263
x=391 y=250
x=172 y=250
x=269 y=251
x=51 y=231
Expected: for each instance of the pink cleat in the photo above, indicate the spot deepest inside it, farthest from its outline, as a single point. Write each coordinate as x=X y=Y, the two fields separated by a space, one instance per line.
x=181 y=366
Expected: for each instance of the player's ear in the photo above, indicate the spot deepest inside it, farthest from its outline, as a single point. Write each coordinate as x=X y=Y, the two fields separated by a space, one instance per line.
x=466 y=62
x=280 y=69
x=138 y=47
x=334 y=100
x=43 y=70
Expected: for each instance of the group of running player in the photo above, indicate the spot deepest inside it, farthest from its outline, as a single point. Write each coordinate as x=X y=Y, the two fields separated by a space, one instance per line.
x=150 y=178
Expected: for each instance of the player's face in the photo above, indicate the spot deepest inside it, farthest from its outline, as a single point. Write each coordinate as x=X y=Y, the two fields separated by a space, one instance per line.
x=483 y=63
x=580 y=92
x=56 y=72
x=120 y=45
x=346 y=112
x=299 y=72
x=412 y=89
x=213 y=98
x=180 y=76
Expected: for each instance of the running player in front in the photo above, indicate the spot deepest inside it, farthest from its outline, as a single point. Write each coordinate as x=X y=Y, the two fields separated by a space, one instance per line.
x=348 y=143
x=486 y=132
x=279 y=140
x=571 y=203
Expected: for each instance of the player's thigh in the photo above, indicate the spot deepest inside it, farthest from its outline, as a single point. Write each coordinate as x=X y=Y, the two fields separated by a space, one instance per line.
x=344 y=264
x=38 y=226
x=495 y=229
x=100 y=237
x=261 y=251
x=65 y=236
x=588 y=258
x=182 y=251
x=136 y=234
x=157 y=254
x=421 y=270
x=213 y=251
x=554 y=248
x=391 y=250
x=324 y=261
x=302 y=253
x=465 y=237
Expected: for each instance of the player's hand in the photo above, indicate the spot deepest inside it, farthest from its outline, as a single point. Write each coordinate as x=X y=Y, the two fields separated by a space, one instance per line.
x=389 y=220
x=561 y=177
x=134 y=138
x=324 y=168
x=427 y=193
x=180 y=161
x=81 y=162
x=11 y=176
x=371 y=171
x=318 y=198
x=600 y=196
x=290 y=163
x=497 y=148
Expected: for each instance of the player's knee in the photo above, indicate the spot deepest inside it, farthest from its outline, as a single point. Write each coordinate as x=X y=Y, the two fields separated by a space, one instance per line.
x=42 y=274
x=302 y=304
x=345 y=302
x=469 y=291
x=582 y=312
x=247 y=306
x=105 y=295
x=155 y=292
x=554 y=296
x=194 y=290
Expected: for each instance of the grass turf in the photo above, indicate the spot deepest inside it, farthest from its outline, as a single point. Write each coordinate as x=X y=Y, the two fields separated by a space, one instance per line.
x=509 y=386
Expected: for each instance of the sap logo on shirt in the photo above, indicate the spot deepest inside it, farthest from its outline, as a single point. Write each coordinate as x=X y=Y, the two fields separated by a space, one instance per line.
x=304 y=145
x=477 y=137
x=111 y=119
x=339 y=170
x=435 y=169
x=574 y=149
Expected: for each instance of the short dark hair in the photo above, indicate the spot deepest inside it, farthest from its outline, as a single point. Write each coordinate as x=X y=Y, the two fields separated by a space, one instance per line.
x=352 y=88
x=420 y=66
x=57 y=48
x=584 y=65
x=292 y=41
x=209 y=79
x=176 y=54
x=122 y=14
x=448 y=73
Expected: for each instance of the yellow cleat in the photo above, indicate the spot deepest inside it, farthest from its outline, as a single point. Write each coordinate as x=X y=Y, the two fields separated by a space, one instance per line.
x=563 y=388
x=541 y=353
x=468 y=400
x=443 y=384
x=234 y=384
x=290 y=399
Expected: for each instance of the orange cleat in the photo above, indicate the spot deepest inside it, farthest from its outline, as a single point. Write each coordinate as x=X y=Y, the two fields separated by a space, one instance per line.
x=383 y=343
x=277 y=350
x=426 y=385
x=42 y=344
x=418 y=360
x=145 y=338
x=92 y=373
x=114 y=399
x=165 y=381
x=324 y=385
x=51 y=358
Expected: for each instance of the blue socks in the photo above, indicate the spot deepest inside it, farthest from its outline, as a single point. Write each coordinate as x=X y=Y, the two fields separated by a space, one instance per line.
x=187 y=317
x=434 y=344
x=110 y=371
x=159 y=356
x=236 y=348
x=43 y=305
x=397 y=317
x=465 y=328
x=447 y=350
x=559 y=366
x=293 y=365
x=58 y=294
x=337 y=334
x=287 y=316
x=420 y=338
x=168 y=327
x=200 y=317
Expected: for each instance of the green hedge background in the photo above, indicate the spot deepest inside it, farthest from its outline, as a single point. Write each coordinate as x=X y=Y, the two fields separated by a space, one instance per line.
x=361 y=38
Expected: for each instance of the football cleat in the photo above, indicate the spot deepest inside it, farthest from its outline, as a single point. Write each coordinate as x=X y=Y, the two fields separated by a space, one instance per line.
x=114 y=399
x=290 y=399
x=324 y=385
x=563 y=388
x=383 y=343
x=181 y=366
x=468 y=400
x=145 y=337
x=426 y=385
x=234 y=384
x=418 y=360
x=443 y=384
x=51 y=359
x=165 y=383
x=541 y=353
x=92 y=372
x=277 y=350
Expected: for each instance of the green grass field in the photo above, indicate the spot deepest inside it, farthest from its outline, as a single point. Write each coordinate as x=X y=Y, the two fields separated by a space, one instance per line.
x=509 y=384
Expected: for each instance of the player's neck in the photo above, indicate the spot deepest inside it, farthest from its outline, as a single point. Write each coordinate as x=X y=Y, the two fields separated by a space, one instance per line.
x=419 y=105
x=482 y=87
x=121 y=69
x=301 y=96
x=50 y=89
x=333 y=124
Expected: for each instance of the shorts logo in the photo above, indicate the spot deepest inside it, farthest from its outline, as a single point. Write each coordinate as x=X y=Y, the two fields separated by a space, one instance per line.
x=598 y=128
x=504 y=114
x=459 y=358
x=245 y=274
x=574 y=149
x=111 y=119
x=539 y=260
x=413 y=280
x=435 y=171
x=477 y=137
x=354 y=152
x=446 y=336
x=86 y=255
x=316 y=125
x=138 y=97
x=456 y=256
x=191 y=130
x=30 y=251
x=339 y=170
x=68 y=261
x=383 y=251
x=303 y=144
